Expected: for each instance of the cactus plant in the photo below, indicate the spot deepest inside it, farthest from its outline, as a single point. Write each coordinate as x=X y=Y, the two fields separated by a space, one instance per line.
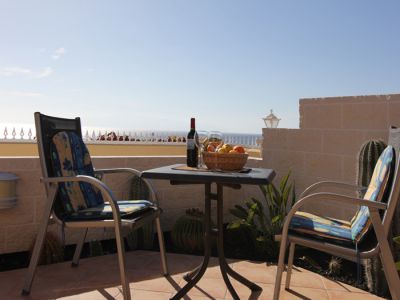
x=367 y=158
x=188 y=231
x=142 y=237
x=335 y=266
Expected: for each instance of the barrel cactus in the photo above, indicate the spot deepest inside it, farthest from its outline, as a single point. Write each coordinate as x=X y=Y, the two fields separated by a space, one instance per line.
x=188 y=231
x=142 y=237
x=367 y=158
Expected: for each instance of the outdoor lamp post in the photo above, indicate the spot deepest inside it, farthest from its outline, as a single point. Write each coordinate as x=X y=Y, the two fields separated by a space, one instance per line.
x=271 y=121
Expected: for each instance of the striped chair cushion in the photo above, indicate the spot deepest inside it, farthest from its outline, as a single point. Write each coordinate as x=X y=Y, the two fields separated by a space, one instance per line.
x=70 y=157
x=379 y=183
x=320 y=227
x=353 y=231
x=129 y=209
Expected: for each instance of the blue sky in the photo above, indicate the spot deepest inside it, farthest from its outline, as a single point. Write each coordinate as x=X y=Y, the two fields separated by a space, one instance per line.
x=154 y=64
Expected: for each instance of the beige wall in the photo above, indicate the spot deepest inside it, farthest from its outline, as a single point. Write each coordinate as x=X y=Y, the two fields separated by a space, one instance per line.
x=324 y=148
x=331 y=133
x=18 y=225
x=29 y=148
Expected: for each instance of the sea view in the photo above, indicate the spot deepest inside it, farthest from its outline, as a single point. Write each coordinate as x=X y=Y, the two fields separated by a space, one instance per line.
x=26 y=131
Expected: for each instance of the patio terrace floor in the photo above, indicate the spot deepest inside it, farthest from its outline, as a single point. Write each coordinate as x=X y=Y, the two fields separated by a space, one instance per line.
x=98 y=278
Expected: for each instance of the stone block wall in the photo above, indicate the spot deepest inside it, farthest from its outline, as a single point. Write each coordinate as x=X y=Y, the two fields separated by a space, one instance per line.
x=326 y=145
x=19 y=225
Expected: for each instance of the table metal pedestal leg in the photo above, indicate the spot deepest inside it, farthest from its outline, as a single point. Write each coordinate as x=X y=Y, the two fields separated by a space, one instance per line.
x=194 y=276
x=225 y=268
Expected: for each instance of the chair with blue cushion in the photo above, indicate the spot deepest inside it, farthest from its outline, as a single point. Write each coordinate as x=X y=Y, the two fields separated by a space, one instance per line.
x=77 y=198
x=353 y=240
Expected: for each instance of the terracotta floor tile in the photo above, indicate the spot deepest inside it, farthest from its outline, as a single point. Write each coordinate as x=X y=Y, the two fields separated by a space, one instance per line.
x=340 y=295
x=100 y=294
x=202 y=298
x=213 y=272
x=340 y=286
x=208 y=287
x=301 y=278
x=260 y=273
x=245 y=293
x=98 y=278
x=182 y=263
x=159 y=284
x=147 y=295
x=303 y=293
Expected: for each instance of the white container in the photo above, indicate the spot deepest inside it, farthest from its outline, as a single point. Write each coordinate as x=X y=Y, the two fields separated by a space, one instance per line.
x=8 y=187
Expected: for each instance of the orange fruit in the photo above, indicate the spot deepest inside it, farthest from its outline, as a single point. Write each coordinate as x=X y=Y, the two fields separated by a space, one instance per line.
x=239 y=149
x=210 y=148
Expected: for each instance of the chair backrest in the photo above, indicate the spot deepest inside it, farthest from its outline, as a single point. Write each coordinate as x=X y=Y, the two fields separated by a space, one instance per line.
x=379 y=189
x=63 y=153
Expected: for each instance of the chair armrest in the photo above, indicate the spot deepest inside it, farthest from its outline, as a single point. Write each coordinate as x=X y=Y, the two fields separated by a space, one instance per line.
x=332 y=184
x=331 y=197
x=117 y=170
x=131 y=171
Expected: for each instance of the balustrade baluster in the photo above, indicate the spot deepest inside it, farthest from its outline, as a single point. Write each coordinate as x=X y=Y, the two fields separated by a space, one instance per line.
x=87 y=136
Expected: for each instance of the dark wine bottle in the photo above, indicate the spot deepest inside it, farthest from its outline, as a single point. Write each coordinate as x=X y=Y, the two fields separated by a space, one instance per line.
x=192 y=150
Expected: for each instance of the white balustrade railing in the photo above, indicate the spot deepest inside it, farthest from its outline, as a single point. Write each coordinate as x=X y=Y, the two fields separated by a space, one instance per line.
x=27 y=135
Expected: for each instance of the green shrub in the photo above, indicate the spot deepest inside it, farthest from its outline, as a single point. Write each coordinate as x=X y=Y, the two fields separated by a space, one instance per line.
x=264 y=218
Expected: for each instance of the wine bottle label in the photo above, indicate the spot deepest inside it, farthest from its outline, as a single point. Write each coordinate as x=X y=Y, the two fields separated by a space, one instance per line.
x=191 y=144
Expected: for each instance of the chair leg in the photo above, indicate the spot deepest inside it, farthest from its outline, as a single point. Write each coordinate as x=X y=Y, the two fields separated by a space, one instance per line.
x=162 y=246
x=78 y=249
x=26 y=289
x=281 y=266
x=121 y=261
x=290 y=264
x=389 y=267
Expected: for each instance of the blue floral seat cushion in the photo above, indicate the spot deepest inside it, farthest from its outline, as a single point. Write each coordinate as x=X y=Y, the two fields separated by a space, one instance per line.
x=129 y=209
x=321 y=227
x=70 y=157
x=380 y=181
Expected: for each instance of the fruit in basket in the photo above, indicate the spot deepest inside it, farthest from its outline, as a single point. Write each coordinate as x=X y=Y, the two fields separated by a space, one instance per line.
x=225 y=148
x=239 y=149
x=221 y=159
x=210 y=148
x=222 y=150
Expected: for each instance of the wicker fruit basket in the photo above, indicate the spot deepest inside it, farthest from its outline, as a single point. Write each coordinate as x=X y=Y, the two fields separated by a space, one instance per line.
x=225 y=161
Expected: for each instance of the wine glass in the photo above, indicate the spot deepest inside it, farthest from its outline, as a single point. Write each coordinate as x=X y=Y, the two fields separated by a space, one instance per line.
x=215 y=138
x=201 y=139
